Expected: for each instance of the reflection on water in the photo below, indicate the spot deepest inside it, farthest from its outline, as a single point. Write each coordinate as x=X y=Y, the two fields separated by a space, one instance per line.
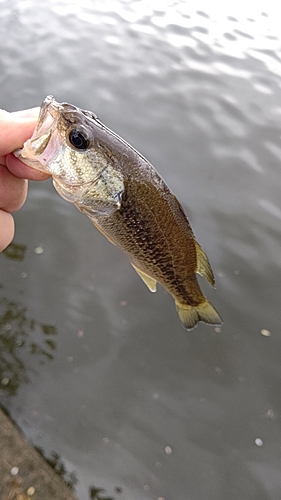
x=56 y=462
x=99 y=493
x=15 y=252
x=70 y=478
x=21 y=336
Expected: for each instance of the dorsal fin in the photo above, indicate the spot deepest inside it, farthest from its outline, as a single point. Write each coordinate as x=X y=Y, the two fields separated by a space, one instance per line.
x=203 y=265
x=150 y=282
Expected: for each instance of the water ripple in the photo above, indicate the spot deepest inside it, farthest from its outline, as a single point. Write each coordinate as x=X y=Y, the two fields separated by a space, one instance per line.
x=271 y=208
x=195 y=87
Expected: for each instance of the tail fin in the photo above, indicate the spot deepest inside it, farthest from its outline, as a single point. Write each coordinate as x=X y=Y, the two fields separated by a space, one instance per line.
x=190 y=315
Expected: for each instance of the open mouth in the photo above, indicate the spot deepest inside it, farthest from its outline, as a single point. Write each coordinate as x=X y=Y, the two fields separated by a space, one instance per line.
x=47 y=119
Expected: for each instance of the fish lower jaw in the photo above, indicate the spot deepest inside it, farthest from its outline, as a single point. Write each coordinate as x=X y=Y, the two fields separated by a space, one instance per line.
x=70 y=193
x=29 y=160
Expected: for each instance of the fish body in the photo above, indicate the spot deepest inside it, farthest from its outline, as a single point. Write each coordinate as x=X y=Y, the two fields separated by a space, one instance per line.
x=126 y=199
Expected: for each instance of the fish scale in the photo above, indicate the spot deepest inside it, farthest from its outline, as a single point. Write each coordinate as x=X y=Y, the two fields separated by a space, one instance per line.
x=126 y=199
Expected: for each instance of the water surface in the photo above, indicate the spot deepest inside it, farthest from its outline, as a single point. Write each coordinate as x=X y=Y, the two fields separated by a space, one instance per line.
x=95 y=369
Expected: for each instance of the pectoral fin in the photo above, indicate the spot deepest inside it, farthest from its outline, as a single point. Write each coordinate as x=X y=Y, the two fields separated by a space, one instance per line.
x=103 y=196
x=203 y=265
x=150 y=282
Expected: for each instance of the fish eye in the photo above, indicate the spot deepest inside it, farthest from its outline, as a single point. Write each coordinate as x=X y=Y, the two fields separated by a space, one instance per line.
x=78 y=139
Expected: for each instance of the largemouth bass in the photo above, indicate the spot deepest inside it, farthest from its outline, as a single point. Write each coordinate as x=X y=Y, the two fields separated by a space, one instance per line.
x=126 y=199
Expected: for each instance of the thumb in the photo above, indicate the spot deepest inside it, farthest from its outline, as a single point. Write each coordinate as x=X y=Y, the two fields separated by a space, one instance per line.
x=15 y=129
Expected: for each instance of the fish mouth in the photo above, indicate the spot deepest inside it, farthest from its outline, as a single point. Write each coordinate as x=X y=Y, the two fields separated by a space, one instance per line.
x=49 y=139
x=47 y=121
x=45 y=141
x=34 y=153
x=49 y=105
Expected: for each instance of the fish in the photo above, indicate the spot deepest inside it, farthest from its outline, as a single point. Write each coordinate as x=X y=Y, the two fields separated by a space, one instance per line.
x=126 y=199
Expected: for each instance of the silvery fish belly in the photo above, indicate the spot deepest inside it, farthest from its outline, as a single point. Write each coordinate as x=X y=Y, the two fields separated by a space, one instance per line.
x=126 y=199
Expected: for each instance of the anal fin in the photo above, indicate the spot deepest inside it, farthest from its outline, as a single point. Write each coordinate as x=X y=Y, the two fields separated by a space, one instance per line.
x=150 y=282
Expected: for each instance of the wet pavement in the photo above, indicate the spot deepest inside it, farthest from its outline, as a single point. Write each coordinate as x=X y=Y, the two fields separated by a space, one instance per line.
x=24 y=474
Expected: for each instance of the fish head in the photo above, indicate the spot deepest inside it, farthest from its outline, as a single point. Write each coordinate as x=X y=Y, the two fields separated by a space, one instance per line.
x=63 y=145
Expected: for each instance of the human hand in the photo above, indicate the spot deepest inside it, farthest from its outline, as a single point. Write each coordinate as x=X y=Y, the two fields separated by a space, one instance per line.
x=15 y=129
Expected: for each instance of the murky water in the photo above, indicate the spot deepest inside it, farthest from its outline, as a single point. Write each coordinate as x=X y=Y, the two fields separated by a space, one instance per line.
x=97 y=371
